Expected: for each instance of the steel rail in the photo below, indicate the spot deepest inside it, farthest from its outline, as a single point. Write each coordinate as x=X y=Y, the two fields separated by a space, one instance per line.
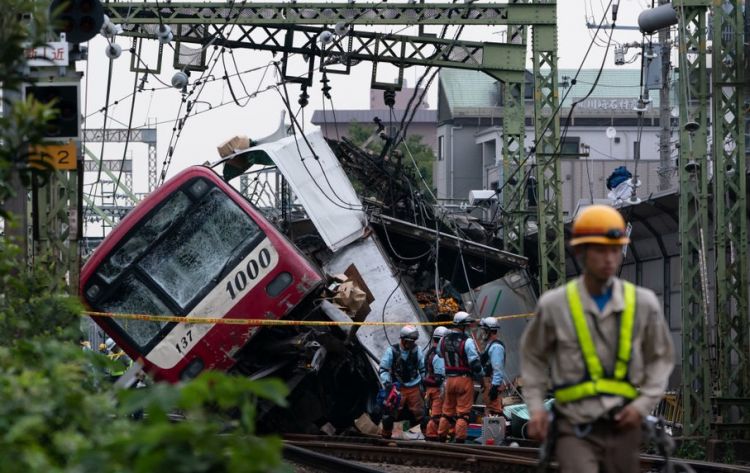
x=482 y=457
x=323 y=462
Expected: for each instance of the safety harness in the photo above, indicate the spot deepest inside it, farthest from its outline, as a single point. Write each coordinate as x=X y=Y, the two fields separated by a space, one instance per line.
x=404 y=370
x=452 y=350
x=595 y=382
x=484 y=358
x=431 y=380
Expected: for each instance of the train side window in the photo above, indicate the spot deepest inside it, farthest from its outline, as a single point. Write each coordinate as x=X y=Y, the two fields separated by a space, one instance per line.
x=279 y=283
x=214 y=232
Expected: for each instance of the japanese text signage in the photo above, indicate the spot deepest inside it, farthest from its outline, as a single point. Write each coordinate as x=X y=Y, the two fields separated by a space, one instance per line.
x=52 y=54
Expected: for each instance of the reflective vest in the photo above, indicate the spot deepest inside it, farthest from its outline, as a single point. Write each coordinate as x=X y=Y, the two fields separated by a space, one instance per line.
x=596 y=381
x=402 y=370
x=484 y=358
x=453 y=353
x=430 y=380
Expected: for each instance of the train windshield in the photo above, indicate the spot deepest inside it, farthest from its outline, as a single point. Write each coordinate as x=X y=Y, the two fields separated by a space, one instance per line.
x=172 y=258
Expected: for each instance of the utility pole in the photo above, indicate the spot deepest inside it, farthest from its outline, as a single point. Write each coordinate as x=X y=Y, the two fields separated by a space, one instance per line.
x=665 y=115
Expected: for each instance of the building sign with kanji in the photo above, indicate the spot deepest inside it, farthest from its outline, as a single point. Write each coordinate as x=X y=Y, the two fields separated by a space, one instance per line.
x=51 y=54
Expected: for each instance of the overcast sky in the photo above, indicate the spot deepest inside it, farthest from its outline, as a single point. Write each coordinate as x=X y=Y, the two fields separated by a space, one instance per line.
x=203 y=132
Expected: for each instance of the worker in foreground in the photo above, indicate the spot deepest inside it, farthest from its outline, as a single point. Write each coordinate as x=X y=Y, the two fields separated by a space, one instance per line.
x=433 y=383
x=401 y=372
x=462 y=367
x=493 y=364
x=608 y=349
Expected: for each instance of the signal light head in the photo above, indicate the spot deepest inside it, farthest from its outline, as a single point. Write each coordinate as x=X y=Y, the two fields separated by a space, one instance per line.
x=80 y=20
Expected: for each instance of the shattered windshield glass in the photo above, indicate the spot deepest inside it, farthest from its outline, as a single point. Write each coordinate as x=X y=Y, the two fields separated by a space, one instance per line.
x=213 y=232
x=133 y=297
x=146 y=234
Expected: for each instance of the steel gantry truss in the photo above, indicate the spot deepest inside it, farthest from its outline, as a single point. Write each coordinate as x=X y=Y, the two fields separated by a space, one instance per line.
x=730 y=216
x=547 y=152
x=298 y=28
x=693 y=213
x=716 y=344
x=514 y=132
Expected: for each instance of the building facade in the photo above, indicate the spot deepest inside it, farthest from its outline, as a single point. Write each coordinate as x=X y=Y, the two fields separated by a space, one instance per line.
x=604 y=133
x=338 y=123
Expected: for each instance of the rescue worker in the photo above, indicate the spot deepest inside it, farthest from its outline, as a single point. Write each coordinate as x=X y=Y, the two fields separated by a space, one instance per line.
x=462 y=367
x=121 y=361
x=403 y=363
x=433 y=382
x=493 y=364
x=608 y=349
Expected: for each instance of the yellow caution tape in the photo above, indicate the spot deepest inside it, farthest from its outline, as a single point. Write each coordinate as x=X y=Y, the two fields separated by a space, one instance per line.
x=266 y=322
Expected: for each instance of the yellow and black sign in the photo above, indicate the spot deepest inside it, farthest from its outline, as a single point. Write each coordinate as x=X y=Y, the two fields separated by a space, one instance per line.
x=60 y=156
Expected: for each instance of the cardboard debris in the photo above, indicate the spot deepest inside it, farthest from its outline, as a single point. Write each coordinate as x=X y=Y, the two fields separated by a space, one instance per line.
x=349 y=297
x=351 y=294
x=233 y=145
x=365 y=425
x=328 y=429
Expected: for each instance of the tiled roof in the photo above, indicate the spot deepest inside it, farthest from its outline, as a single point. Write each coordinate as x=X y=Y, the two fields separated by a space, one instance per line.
x=473 y=89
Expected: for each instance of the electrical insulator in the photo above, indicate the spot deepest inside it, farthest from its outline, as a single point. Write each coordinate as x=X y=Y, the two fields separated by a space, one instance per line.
x=179 y=80
x=113 y=51
x=389 y=97
x=619 y=55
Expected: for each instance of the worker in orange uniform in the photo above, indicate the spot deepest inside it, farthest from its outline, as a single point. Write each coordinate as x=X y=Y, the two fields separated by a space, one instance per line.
x=433 y=383
x=403 y=363
x=462 y=367
x=493 y=364
x=607 y=349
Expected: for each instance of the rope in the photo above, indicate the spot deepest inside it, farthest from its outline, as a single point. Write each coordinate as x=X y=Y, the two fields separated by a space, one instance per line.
x=267 y=322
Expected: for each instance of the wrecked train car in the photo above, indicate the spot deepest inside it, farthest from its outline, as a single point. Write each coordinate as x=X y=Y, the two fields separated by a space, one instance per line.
x=196 y=247
x=169 y=257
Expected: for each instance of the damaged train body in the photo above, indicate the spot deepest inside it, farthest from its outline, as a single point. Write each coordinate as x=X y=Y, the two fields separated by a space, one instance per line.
x=197 y=247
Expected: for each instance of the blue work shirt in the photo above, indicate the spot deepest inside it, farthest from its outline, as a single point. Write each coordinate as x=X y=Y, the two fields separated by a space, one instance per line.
x=386 y=363
x=438 y=364
x=470 y=347
x=497 y=359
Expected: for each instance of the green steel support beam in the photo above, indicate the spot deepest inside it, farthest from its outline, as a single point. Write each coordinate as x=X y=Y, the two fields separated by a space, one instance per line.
x=547 y=127
x=55 y=212
x=693 y=213
x=277 y=14
x=730 y=209
x=514 y=132
x=505 y=62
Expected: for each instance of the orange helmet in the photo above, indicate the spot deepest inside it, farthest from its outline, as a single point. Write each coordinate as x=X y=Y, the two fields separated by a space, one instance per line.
x=599 y=224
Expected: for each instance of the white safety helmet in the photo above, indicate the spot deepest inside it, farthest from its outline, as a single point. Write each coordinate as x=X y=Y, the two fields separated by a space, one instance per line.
x=489 y=323
x=440 y=332
x=462 y=318
x=109 y=344
x=409 y=332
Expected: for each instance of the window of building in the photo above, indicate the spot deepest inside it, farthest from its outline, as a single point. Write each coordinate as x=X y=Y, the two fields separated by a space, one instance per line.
x=570 y=147
x=440 y=150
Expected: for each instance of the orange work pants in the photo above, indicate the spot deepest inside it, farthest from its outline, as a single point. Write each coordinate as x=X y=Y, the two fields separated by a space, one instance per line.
x=435 y=404
x=411 y=398
x=492 y=407
x=459 y=397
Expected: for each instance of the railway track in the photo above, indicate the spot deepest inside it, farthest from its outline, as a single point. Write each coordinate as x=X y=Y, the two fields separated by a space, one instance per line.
x=475 y=458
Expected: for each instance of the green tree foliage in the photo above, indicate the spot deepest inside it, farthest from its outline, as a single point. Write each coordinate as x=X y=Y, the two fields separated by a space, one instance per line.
x=57 y=411
x=422 y=153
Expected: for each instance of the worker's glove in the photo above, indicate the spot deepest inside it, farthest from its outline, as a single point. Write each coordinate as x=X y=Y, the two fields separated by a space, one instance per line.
x=494 y=392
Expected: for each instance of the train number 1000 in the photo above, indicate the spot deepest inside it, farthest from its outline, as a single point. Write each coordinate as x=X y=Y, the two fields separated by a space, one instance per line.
x=250 y=272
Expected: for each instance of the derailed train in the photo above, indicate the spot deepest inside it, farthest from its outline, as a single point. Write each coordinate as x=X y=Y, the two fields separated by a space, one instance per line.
x=196 y=247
